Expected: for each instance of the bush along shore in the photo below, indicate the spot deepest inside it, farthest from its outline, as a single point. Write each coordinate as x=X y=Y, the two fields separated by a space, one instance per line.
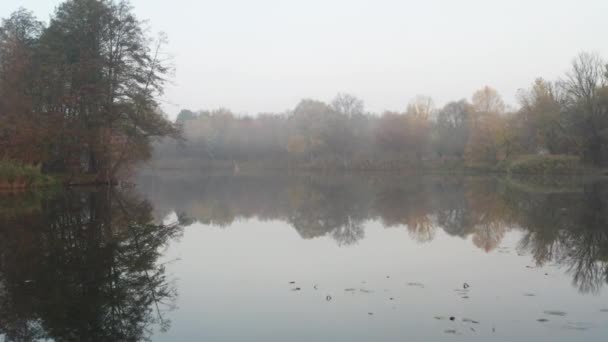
x=15 y=176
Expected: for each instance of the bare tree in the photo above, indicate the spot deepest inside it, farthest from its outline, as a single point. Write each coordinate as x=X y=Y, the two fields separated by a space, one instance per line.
x=588 y=74
x=348 y=105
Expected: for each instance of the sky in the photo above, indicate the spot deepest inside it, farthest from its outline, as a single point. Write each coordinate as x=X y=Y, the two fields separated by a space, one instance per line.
x=266 y=55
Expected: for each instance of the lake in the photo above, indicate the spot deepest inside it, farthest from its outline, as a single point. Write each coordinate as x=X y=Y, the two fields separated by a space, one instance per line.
x=187 y=256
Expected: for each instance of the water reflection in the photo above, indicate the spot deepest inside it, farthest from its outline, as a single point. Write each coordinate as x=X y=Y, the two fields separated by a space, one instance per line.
x=565 y=223
x=85 y=265
x=82 y=266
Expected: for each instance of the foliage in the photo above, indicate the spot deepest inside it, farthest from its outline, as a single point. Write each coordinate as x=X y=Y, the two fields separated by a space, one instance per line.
x=567 y=119
x=15 y=176
x=80 y=95
x=547 y=164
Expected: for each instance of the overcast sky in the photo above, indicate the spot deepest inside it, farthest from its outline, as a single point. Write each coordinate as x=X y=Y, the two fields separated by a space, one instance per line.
x=265 y=55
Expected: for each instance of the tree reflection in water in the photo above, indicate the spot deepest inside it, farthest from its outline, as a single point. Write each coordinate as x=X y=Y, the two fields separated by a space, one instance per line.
x=561 y=222
x=570 y=229
x=82 y=266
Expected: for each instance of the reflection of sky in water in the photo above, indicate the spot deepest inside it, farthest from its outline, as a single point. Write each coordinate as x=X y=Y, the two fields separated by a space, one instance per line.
x=234 y=285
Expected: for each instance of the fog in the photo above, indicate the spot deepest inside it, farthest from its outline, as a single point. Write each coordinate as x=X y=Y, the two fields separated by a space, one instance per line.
x=265 y=56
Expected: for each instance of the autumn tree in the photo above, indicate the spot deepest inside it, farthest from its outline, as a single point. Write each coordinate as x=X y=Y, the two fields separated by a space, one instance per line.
x=486 y=127
x=418 y=113
x=100 y=72
x=541 y=123
x=310 y=120
x=487 y=100
x=22 y=133
x=391 y=133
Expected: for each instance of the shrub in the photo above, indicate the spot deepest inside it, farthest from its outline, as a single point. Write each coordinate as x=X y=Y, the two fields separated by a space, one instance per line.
x=14 y=175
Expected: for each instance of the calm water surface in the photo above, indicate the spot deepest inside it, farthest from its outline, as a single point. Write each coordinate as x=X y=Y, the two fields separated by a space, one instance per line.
x=190 y=257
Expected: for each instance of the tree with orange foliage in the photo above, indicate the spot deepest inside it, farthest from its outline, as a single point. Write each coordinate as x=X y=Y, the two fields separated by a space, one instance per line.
x=487 y=125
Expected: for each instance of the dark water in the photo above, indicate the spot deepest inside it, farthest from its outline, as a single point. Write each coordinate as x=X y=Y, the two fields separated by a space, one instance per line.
x=189 y=257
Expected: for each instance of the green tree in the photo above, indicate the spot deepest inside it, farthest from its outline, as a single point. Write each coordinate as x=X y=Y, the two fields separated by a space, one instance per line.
x=186 y=115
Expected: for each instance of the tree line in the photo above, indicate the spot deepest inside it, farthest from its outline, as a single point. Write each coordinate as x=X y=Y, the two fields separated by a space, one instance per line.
x=79 y=95
x=566 y=117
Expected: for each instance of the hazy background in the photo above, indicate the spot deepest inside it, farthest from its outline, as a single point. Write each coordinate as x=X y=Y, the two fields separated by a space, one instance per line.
x=264 y=56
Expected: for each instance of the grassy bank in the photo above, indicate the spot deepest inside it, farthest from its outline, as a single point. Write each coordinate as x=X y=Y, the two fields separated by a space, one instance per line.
x=15 y=176
x=526 y=165
x=547 y=165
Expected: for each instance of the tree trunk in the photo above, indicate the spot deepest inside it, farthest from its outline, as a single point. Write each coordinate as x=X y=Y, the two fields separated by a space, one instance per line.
x=93 y=167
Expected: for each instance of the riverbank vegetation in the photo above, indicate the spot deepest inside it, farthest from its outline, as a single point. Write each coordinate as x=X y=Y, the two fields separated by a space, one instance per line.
x=16 y=176
x=78 y=96
x=559 y=127
x=79 y=99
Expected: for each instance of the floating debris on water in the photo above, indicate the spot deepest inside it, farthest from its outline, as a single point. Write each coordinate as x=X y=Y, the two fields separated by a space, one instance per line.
x=328 y=298
x=542 y=320
x=370 y=313
x=452 y=318
x=554 y=313
x=365 y=291
x=576 y=326
x=350 y=290
x=416 y=285
x=450 y=331
x=296 y=289
x=603 y=310
x=529 y=295
x=468 y=320
x=466 y=286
